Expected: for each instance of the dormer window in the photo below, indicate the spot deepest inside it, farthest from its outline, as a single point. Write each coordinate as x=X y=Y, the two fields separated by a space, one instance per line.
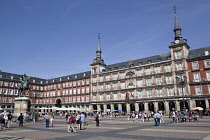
x=159 y=59
x=84 y=74
x=140 y=63
x=76 y=76
x=34 y=81
x=12 y=77
x=206 y=53
x=150 y=61
x=60 y=79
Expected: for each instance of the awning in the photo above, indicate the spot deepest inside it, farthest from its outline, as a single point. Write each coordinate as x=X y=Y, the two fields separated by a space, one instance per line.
x=197 y=108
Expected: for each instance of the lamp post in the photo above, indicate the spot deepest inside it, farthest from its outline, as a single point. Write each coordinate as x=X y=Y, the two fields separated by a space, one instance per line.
x=181 y=80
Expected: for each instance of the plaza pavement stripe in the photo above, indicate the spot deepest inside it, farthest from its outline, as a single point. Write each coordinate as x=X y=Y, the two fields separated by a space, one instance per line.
x=207 y=137
x=172 y=130
x=4 y=137
x=17 y=131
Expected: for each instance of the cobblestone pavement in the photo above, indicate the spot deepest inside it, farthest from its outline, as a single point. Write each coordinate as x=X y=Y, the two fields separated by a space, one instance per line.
x=112 y=129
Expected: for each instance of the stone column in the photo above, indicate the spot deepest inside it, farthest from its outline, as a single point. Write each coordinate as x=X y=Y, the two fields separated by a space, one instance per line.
x=177 y=107
x=112 y=107
x=146 y=108
x=192 y=104
x=128 y=108
x=85 y=108
x=166 y=107
x=98 y=108
x=137 y=107
x=207 y=103
x=105 y=108
x=155 y=106
x=120 y=107
x=91 y=108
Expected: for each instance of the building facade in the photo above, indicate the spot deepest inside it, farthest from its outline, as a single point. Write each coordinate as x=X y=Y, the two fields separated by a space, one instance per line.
x=148 y=84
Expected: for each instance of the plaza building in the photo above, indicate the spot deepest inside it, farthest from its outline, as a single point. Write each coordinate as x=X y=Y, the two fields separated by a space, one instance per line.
x=148 y=84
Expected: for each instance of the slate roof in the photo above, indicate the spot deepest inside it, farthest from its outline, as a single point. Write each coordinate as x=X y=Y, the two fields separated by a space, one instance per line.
x=143 y=61
x=16 y=77
x=138 y=62
x=198 y=52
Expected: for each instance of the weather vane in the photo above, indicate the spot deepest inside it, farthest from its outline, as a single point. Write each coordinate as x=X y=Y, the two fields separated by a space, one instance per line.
x=98 y=35
x=175 y=9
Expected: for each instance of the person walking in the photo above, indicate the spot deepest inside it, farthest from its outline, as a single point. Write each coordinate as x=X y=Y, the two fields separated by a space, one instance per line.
x=82 y=119
x=20 y=119
x=9 y=119
x=157 y=117
x=78 y=121
x=97 y=119
x=46 y=117
x=71 y=124
x=5 y=120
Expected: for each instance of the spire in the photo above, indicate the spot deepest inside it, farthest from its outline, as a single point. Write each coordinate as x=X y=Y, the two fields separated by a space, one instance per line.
x=98 y=59
x=98 y=52
x=177 y=29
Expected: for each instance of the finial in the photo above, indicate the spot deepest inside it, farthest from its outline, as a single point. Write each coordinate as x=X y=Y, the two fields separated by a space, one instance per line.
x=174 y=9
x=98 y=35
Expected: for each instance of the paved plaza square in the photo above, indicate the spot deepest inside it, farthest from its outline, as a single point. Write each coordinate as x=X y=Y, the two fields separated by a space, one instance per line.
x=112 y=129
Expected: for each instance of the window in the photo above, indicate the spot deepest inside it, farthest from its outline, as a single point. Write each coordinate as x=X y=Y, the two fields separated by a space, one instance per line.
x=87 y=90
x=168 y=80
x=149 y=82
x=208 y=89
x=139 y=83
x=75 y=90
x=157 y=70
x=198 y=90
x=78 y=90
x=179 y=66
x=11 y=84
x=208 y=75
x=206 y=52
x=196 y=77
x=195 y=65
x=87 y=81
x=158 y=80
x=207 y=63
x=168 y=68
x=178 y=55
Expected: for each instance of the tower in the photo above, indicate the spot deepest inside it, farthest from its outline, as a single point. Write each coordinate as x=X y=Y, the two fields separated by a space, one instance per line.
x=179 y=54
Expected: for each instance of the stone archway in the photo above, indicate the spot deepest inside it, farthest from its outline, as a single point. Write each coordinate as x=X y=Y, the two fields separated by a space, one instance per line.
x=132 y=107
x=141 y=107
x=116 y=107
x=124 y=108
x=151 y=107
x=58 y=103
x=171 y=106
x=161 y=106
x=102 y=108
x=186 y=105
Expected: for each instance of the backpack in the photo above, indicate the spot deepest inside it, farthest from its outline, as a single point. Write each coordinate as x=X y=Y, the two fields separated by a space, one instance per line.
x=71 y=120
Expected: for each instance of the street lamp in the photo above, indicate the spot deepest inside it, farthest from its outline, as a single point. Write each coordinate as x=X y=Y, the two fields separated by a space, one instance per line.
x=181 y=80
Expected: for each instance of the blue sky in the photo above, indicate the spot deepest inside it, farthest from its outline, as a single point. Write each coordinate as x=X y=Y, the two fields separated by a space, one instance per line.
x=53 y=38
